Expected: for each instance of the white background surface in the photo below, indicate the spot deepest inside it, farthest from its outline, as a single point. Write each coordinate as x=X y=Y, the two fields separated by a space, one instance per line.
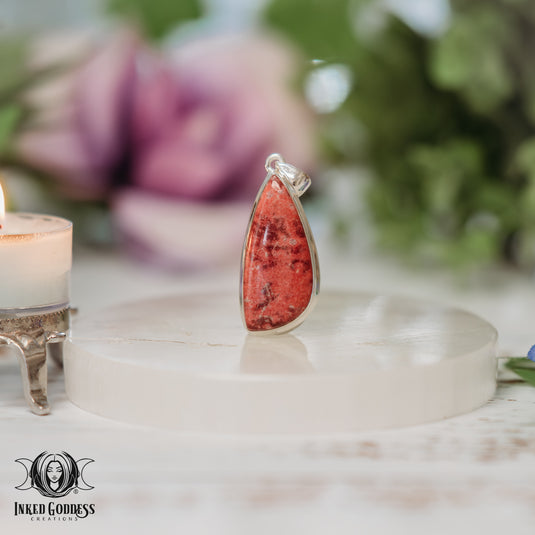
x=470 y=474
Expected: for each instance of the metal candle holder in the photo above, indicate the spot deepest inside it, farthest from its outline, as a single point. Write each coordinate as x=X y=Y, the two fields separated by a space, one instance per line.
x=35 y=333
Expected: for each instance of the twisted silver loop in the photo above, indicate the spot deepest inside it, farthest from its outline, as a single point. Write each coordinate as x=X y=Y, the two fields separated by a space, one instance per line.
x=298 y=179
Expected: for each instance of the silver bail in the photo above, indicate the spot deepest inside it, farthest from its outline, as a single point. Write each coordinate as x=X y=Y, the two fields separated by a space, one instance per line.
x=298 y=179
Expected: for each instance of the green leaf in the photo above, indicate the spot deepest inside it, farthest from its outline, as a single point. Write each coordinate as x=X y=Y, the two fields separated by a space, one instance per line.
x=524 y=158
x=527 y=86
x=156 y=17
x=444 y=170
x=322 y=29
x=13 y=52
x=523 y=367
x=471 y=58
x=9 y=118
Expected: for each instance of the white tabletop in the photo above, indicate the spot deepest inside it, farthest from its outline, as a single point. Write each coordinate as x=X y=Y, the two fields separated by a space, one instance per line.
x=469 y=474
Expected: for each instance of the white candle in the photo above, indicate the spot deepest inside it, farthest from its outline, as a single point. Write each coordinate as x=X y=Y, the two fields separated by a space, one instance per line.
x=35 y=260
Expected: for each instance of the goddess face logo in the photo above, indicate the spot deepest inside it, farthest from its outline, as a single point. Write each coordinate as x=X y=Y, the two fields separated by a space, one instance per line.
x=54 y=474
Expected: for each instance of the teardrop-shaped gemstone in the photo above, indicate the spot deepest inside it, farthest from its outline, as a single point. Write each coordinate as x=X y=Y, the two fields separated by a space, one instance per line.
x=278 y=273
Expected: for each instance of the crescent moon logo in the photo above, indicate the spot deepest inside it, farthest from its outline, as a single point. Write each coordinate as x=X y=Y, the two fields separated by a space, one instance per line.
x=54 y=474
x=82 y=463
x=27 y=483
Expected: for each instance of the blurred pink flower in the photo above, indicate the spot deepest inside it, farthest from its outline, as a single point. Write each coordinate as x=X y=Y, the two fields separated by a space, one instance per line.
x=149 y=133
x=79 y=132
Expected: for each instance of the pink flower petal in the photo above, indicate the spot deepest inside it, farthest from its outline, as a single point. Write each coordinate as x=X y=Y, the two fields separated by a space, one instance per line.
x=178 y=166
x=180 y=234
x=62 y=153
x=103 y=96
x=154 y=102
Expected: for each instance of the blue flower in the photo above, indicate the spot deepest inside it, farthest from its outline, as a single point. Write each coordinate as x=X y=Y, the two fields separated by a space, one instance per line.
x=531 y=353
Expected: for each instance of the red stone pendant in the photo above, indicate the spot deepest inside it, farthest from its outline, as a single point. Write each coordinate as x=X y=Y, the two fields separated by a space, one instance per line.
x=280 y=271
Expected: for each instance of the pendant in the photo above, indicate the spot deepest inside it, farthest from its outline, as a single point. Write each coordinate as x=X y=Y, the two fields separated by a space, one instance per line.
x=279 y=268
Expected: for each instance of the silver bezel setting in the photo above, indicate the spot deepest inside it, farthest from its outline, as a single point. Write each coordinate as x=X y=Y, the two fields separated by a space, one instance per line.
x=285 y=173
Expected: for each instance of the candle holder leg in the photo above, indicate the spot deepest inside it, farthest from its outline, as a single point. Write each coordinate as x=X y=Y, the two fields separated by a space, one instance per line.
x=32 y=359
x=33 y=336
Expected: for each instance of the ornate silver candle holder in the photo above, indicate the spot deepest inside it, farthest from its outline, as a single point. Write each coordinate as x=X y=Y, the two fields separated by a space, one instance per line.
x=35 y=333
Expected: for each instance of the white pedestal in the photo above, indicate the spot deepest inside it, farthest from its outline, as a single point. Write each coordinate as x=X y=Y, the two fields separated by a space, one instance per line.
x=358 y=362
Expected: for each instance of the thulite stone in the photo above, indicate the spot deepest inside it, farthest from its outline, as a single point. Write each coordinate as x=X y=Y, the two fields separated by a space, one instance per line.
x=277 y=268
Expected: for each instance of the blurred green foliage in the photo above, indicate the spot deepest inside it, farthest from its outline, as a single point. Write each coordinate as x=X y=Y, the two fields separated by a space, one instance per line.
x=446 y=123
x=13 y=78
x=13 y=49
x=322 y=29
x=9 y=119
x=156 y=17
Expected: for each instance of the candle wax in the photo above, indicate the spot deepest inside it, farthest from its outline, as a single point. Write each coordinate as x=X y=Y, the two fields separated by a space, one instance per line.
x=35 y=261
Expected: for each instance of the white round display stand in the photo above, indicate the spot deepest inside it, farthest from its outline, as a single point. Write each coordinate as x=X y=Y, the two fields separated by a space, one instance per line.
x=358 y=362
